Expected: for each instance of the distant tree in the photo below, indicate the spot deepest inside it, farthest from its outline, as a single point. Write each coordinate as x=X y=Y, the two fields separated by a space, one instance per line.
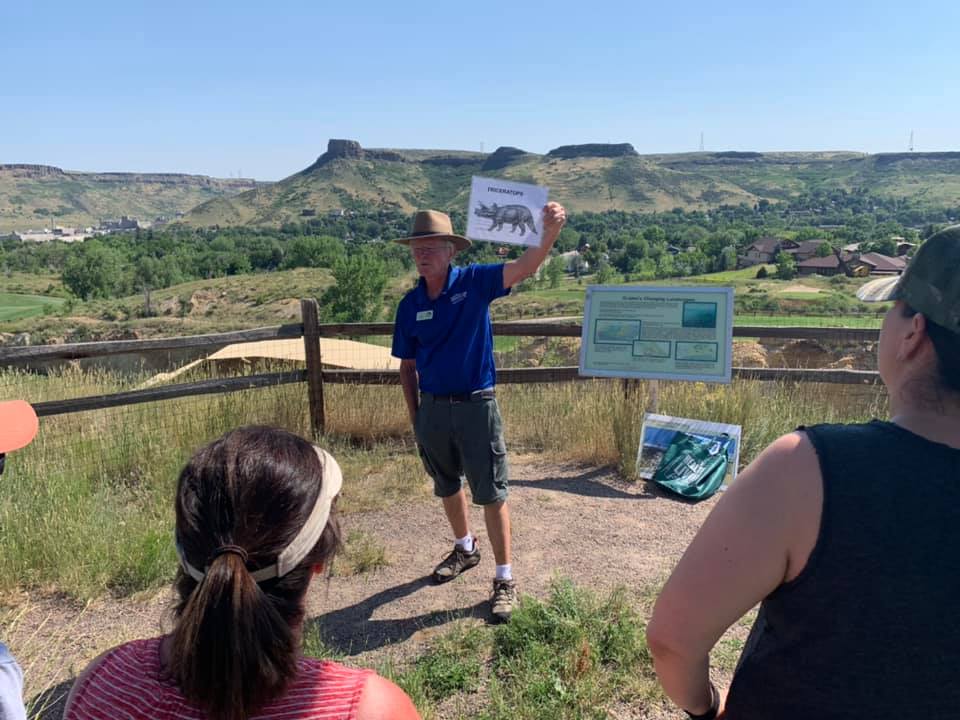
x=665 y=266
x=357 y=295
x=762 y=272
x=655 y=235
x=786 y=266
x=313 y=251
x=694 y=235
x=569 y=239
x=646 y=269
x=633 y=252
x=149 y=273
x=553 y=272
x=93 y=271
x=728 y=258
x=824 y=249
x=605 y=272
x=885 y=246
x=265 y=254
x=808 y=233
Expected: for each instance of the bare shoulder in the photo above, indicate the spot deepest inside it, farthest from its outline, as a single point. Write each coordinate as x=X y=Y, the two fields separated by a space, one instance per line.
x=788 y=464
x=785 y=483
x=383 y=700
x=81 y=680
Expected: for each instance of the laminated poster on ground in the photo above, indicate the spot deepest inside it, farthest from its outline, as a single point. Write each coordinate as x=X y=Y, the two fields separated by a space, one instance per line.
x=658 y=431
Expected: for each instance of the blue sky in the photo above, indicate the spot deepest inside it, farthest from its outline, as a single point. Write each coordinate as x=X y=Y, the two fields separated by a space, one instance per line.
x=220 y=88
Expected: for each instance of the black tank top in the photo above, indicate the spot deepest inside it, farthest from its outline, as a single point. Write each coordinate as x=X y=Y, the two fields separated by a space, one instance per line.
x=871 y=626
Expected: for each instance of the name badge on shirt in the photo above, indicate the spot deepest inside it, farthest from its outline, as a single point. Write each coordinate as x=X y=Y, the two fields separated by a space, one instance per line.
x=425 y=315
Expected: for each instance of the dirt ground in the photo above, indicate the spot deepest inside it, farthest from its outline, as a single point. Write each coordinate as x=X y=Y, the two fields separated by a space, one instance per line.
x=579 y=521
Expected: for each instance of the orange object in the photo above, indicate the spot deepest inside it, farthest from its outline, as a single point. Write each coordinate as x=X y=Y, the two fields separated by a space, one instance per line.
x=18 y=425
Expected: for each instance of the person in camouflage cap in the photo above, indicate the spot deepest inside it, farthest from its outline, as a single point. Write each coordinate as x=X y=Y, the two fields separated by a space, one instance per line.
x=847 y=536
x=930 y=284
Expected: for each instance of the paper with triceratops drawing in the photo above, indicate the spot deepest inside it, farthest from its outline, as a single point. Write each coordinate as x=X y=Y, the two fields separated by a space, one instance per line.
x=502 y=211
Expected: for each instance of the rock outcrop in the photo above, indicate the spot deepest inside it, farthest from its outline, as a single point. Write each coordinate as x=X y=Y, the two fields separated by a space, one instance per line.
x=502 y=156
x=593 y=150
x=30 y=171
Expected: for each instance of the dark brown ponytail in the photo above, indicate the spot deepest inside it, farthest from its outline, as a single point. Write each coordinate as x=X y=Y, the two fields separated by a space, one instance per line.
x=236 y=643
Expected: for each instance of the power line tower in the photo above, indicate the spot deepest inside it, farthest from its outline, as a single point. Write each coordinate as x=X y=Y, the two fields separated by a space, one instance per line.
x=911 y=141
x=701 y=141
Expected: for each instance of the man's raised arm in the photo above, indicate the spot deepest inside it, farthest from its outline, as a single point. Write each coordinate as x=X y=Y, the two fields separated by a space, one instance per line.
x=554 y=216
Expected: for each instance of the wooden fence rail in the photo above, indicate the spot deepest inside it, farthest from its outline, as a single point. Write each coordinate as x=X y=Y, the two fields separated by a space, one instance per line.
x=11 y=355
x=315 y=376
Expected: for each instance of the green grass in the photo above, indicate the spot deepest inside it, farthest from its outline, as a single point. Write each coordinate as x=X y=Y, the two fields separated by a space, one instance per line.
x=454 y=663
x=833 y=306
x=362 y=553
x=103 y=480
x=19 y=307
x=801 y=320
x=572 y=656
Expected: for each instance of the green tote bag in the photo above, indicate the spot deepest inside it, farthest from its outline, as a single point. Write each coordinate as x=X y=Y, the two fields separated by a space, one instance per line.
x=693 y=467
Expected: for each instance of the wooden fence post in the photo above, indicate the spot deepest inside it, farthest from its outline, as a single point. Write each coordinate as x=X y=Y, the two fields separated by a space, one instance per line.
x=653 y=400
x=309 y=311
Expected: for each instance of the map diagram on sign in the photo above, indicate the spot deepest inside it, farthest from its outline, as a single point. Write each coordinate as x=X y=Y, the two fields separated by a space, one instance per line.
x=658 y=333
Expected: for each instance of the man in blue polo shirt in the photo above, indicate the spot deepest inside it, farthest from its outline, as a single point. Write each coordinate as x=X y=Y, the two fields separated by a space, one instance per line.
x=444 y=340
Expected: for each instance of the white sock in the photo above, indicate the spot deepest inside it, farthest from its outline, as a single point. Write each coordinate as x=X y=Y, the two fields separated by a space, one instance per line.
x=504 y=572
x=466 y=543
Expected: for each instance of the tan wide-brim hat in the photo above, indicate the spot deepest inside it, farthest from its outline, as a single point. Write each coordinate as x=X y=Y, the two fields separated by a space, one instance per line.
x=434 y=224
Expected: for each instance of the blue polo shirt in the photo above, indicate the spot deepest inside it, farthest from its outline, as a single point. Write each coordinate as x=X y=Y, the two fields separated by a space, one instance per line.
x=451 y=338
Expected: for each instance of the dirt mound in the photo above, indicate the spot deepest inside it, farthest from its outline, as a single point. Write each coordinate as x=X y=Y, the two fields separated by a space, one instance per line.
x=551 y=352
x=801 y=354
x=749 y=354
x=815 y=354
x=856 y=357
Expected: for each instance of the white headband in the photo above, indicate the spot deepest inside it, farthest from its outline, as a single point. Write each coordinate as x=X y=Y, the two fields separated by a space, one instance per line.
x=306 y=539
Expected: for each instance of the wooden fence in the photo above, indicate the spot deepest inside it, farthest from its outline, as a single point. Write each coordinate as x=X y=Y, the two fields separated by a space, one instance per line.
x=316 y=376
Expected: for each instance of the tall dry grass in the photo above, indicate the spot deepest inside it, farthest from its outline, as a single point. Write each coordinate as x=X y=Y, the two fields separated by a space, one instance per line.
x=87 y=508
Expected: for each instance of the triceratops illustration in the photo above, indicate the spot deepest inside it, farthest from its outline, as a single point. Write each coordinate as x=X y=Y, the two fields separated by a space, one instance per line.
x=516 y=215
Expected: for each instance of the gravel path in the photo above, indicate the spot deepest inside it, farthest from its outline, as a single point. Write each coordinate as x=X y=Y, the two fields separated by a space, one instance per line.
x=579 y=521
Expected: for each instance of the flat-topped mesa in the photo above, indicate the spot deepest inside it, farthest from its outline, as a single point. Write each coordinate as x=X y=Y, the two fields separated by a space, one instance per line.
x=351 y=150
x=891 y=158
x=738 y=155
x=501 y=157
x=341 y=149
x=27 y=170
x=594 y=150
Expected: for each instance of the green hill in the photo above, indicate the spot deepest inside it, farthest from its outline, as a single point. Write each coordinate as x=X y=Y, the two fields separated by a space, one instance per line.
x=36 y=196
x=584 y=177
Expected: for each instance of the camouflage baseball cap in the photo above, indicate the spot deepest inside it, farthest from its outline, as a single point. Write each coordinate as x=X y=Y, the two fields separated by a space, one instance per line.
x=931 y=282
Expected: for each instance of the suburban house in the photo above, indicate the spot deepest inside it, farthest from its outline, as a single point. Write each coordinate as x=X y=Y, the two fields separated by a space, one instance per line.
x=574 y=262
x=833 y=265
x=805 y=249
x=764 y=250
x=883 y=264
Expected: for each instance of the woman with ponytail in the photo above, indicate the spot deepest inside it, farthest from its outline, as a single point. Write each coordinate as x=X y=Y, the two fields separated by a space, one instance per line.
x=254 y=525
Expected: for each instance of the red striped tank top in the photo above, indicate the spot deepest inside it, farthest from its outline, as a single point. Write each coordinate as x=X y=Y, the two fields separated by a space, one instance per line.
x=129 y=683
